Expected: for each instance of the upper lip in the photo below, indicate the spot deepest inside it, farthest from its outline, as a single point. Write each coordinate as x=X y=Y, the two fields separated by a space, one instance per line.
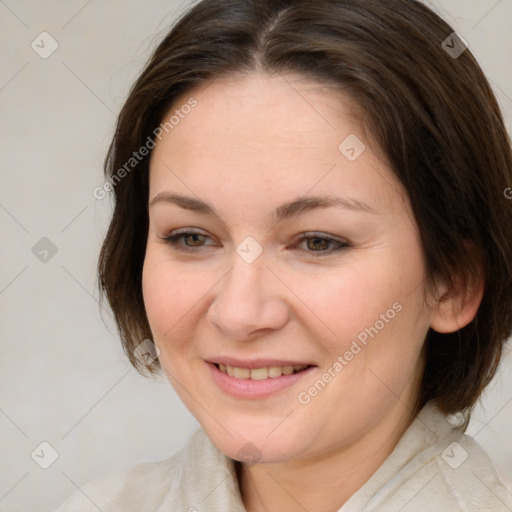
x=257 y=363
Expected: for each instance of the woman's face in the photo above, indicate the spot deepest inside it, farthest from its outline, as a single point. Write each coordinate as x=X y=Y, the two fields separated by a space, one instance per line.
x=303 y=256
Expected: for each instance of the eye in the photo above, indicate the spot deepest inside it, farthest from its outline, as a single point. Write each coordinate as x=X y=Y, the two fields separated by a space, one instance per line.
x=316 y=244
x=189 y=238
x=320 y=245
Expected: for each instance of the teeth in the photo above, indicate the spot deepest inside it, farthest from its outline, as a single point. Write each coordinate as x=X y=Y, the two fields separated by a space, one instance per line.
x=274 y=371
x=242 y=373
x=260 y=373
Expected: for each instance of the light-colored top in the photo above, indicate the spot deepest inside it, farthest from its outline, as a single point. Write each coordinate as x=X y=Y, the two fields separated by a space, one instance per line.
x=434 y=467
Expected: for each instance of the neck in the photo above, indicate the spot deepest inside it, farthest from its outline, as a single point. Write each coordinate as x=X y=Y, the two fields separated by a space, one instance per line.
x=324 y=482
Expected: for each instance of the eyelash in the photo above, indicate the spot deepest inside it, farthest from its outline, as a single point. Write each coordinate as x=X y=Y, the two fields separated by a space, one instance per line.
x=172 y=238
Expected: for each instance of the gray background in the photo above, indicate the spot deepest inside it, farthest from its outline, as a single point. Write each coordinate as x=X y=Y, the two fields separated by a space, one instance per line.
x=63 y=377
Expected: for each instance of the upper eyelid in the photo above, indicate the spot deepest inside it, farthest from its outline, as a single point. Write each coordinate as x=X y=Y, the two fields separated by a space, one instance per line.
x=301 y=236
x=341 y=243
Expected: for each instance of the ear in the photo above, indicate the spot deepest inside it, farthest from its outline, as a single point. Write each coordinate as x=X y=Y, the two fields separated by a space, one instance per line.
x=457 y=307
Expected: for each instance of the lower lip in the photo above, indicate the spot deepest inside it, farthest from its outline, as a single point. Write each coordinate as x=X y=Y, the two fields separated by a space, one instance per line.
x=248 y=388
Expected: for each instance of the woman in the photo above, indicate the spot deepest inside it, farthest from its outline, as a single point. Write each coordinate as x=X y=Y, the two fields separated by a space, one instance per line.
x=310 y=225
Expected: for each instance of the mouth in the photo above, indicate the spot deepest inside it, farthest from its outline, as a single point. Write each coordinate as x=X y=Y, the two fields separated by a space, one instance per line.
x=257 y=379
x=262 y=373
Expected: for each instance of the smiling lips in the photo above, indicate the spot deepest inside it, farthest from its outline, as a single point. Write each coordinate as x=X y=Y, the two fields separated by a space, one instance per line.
x=262 y=373
x=259 y=369
x=257 y=379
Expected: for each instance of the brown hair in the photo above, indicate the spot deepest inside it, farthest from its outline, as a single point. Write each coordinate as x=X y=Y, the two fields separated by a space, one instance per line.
x=432 y=113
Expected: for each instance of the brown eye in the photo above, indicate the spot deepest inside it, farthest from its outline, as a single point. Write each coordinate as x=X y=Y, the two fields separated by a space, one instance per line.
x=315 y=245
x=194 y=239
x=321 y=244
x=186 y=241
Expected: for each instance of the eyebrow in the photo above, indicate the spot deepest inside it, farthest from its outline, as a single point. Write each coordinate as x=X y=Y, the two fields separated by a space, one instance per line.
x=289 y=209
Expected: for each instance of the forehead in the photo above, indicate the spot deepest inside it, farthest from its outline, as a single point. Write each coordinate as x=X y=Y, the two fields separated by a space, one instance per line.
x=257 y=108
x=268 y=133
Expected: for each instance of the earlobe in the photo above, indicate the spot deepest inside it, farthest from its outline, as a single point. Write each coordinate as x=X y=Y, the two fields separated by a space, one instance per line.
x=456 y=308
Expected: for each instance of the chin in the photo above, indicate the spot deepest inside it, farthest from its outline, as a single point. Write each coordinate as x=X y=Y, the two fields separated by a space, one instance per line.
x=252 y=444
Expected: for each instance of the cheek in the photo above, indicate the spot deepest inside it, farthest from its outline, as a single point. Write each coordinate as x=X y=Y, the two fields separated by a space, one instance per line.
x=342 y=303
x=376 y=299
x=169 y=299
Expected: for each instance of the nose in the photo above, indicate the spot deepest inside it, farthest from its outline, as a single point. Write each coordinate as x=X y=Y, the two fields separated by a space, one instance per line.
x=248 y=302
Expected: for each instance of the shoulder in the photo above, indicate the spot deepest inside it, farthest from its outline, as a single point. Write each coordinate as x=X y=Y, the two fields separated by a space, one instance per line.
x=141 y=487
x=434 y=467
x=453 y=474
x=466 y=476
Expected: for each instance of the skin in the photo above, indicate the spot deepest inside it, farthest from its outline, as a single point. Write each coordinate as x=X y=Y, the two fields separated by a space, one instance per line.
x=251 y=144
